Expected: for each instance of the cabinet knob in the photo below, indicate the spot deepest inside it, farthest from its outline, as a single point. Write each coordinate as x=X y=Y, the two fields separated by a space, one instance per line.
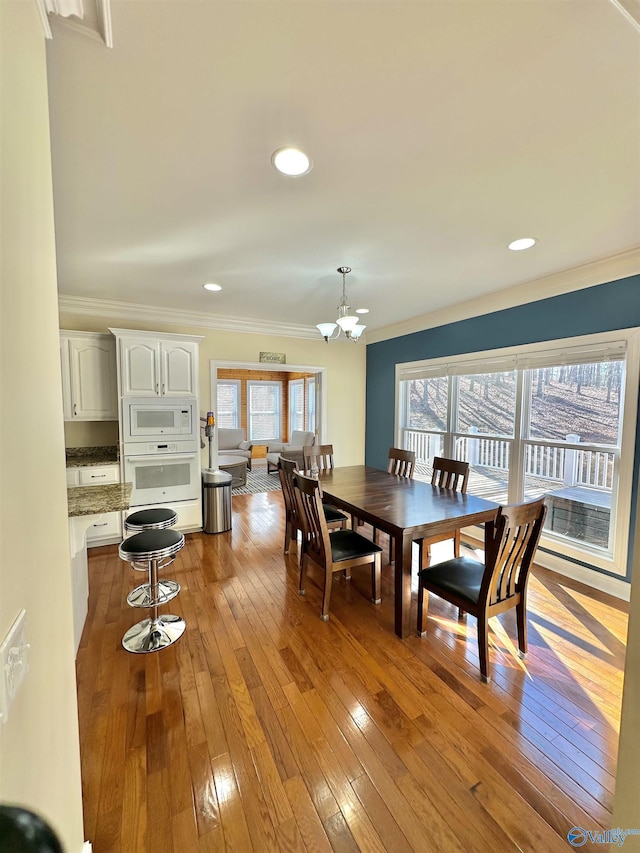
x=75 y=408
x=97 y=476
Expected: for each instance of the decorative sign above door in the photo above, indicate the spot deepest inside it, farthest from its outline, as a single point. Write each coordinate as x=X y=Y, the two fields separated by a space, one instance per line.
x=273 y=358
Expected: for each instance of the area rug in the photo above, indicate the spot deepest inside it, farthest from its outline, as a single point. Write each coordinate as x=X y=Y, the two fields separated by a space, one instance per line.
x=258 y=481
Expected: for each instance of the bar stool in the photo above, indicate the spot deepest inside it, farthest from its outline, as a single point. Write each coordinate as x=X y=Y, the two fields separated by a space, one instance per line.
x=151 y=551
x=158 y=518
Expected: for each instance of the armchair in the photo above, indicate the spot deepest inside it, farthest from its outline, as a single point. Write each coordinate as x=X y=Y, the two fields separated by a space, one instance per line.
x=299 y=439
x=231 y=443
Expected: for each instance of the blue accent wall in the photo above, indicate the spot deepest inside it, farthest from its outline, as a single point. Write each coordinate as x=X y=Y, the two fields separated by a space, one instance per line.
x=602 y=308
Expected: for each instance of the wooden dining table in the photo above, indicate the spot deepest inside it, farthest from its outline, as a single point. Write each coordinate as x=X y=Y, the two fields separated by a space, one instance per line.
x=407 y=510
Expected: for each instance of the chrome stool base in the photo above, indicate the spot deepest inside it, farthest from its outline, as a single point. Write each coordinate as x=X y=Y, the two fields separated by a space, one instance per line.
x=141 y=596
x=151 y=635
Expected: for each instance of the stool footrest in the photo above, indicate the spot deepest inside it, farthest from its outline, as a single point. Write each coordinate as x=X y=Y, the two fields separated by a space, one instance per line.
x=141 y=596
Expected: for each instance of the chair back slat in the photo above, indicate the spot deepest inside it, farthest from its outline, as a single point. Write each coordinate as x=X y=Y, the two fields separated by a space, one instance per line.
x=508 y=560
x=286 y=471
x=315 y=534
x=450 y=474
x=401 y=462
x=321 y=454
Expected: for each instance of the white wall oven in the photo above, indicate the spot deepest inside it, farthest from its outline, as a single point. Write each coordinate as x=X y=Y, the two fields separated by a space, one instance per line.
x=146 y=419
x=162 y=471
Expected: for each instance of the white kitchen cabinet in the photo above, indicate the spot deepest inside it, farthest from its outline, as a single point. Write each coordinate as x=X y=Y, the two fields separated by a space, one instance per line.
x=107 y=528
x=89 y=384
x=154 y=365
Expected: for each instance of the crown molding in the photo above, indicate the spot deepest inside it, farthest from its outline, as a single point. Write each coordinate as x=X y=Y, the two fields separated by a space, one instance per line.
x=575 y=278
x=103 y=11
x=169 y=316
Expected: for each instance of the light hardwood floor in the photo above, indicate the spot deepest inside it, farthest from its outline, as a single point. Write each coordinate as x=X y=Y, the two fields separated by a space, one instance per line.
x=265 y=728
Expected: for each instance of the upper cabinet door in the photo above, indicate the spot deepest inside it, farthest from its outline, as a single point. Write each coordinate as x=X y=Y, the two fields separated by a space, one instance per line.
x=92 y=363
x=140 y=367
x=179 y=369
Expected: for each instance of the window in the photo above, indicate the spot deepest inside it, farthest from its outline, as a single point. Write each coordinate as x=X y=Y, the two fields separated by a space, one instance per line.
x=264 y=403
x=228 y=397
x=311 y=404
x=296 y=405
x=536 y=422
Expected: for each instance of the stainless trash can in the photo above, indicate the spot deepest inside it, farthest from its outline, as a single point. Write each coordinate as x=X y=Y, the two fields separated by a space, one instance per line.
x=216 y=501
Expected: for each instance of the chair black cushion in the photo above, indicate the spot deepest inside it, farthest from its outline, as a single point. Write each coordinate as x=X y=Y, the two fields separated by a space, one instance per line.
x=150 y=540
x=347 y=544
x=331 y=513
x=460 y=576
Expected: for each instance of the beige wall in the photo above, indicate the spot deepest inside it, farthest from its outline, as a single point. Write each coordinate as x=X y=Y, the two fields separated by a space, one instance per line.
x=345 y=372
x=39 y=752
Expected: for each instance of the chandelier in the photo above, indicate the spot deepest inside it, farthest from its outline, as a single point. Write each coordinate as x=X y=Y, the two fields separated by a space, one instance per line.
x=346 y=322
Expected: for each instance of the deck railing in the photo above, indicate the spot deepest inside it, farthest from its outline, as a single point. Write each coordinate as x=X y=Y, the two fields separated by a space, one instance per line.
x=569 y=465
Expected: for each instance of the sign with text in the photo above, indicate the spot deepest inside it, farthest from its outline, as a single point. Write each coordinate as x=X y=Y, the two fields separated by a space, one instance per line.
x=273 y=358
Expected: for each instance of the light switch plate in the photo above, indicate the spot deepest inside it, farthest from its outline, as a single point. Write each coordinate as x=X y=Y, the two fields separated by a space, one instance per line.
x=14 y=663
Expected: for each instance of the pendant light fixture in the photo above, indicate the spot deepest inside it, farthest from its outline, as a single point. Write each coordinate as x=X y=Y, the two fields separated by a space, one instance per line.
x=346 y=322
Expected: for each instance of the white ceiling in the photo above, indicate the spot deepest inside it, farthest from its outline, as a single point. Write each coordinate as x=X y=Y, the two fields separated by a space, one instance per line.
x=439 y=130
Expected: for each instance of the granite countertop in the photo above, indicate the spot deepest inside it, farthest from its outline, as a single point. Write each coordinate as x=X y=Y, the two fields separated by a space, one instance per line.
x=81 y=457
x=94 y=500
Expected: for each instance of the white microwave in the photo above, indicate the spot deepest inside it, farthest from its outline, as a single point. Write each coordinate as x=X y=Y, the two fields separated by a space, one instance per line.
x=145 y=418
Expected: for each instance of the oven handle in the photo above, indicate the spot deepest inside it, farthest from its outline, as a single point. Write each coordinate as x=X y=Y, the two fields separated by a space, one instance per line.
x=161 y=457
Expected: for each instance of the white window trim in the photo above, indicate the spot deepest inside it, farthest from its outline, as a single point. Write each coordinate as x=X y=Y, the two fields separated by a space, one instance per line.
x=524 y=356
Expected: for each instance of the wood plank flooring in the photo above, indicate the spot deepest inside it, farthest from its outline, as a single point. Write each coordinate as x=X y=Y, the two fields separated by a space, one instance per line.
x=264 y=728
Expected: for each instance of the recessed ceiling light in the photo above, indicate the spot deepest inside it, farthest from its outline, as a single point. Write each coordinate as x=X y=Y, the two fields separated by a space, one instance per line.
x=522 y=243
x=212 y=286
x=362 y=310
x=291 y=161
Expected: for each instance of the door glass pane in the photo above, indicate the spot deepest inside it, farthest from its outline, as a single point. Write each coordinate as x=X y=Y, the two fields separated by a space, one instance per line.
x=154 y=418
x=163 y=475
x=311 y=405
x=296 y=405
x=486 y=403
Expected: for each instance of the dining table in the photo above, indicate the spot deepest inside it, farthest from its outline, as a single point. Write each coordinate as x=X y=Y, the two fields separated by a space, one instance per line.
x=407 y=510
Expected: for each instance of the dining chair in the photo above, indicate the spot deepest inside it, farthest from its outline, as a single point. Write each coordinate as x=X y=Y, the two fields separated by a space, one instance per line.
x=335 y=551
x=402 y=463
x=485 y=589
x=321 y=454
x=287 y=468
x=447 y=474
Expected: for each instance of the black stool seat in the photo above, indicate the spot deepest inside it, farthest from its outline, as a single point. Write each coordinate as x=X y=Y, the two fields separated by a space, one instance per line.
x=151 y=545
x=151 y=519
